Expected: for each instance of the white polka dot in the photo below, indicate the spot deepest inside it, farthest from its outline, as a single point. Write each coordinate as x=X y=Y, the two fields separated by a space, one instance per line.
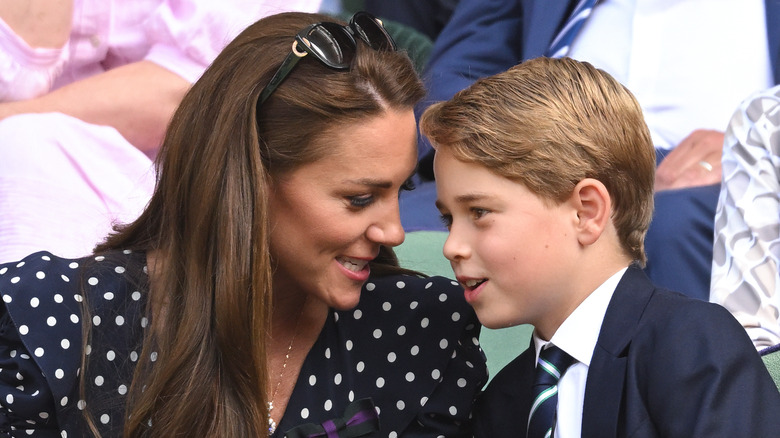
x=73 y=265
x=469 y=364
x=424 y=323
x=120 y=320
x=413 y=305
x=443 y=344
x=105 y=418
x=122 y=390
x=20 y=264
x=111 y=355
x=88 y=349
x=78 y=298
x=423 y=401
x=456 y=317
x=327 y=353
x=46 y=258
x=58 y=298
x=7 y=298
x=119 y=270
x=462 y=382
x=428 y=285
x=391 y=357
x=153 y=356
x=19 y=377
x=135 y=296
x=9 y=399
x=453 y=410
x=400 y=405
x=108 y=296
x=400 y=285
x=357 y=314
x=415 y=350
x=443 y=297
x=38 y=352
x=96 y=320
x=337 y=379
x=410 y=376
x=392 y=434
x=40 y=275
x=59 y=373
x=360 y=366
x=127 y=251
x=65 y=344
x=380 y=382
x=144 y=322
x=81 y=404
x=370 y=286
x=99 y=380
x=64 y=434
x=43 y=415
x=304 y=413
x=92 y=281
x=312 y=380
x=35 y=302
x=351 y=396
x=328 y=405
x=133 y=356
x=51 y=321
x=387 y=306
x=377 y=334
x=454 y=283
x=15 y=280
x=3 y=271
x=74 y=318
x=349 y=345
x=475 y=341
x=23 y=330
x=64 y=278
x=435 y=374
x=401 y=330
x=64 y=401
x=100 y=258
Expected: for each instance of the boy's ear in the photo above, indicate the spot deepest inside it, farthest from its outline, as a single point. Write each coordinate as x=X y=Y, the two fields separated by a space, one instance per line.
x=594 y=210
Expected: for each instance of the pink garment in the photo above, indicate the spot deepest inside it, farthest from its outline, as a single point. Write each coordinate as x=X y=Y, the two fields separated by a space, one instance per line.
x=64 y=182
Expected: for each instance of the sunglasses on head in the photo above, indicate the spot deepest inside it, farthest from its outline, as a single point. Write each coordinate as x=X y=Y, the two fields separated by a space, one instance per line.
x=333 y=45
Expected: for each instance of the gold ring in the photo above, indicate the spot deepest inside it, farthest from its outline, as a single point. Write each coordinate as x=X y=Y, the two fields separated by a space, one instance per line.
x=707 y=166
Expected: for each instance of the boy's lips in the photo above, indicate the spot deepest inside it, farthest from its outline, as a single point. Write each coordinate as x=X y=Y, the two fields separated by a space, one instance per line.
x=471 y=287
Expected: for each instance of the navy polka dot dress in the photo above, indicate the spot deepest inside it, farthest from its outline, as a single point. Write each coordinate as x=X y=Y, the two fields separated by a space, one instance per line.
x=409 y=351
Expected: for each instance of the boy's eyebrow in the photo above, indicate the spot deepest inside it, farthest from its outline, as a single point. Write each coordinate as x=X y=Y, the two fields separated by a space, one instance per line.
x=465 y=199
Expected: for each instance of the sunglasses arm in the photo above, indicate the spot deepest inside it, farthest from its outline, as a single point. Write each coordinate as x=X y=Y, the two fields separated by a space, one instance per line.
x=287 y=65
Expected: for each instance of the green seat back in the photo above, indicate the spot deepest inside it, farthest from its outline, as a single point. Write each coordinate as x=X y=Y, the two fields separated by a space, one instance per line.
x=772 y=362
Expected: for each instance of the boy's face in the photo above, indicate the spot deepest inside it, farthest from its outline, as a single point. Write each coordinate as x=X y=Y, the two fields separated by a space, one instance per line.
x=511 y=251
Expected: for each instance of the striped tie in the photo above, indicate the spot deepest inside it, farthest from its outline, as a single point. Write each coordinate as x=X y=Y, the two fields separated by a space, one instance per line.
x=553 y=362
x=562 y=42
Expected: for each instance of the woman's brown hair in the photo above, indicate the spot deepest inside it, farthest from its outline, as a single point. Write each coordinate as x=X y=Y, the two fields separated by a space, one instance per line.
x=207 y=223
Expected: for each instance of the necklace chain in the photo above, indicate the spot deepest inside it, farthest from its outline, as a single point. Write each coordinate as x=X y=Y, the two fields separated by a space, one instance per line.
x=271 y=423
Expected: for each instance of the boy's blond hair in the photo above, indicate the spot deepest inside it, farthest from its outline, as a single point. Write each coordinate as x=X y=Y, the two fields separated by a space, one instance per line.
x=548 y=124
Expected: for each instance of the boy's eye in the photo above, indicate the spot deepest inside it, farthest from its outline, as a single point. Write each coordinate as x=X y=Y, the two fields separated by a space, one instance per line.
x=361 y=201
x=446 y=220
x=478 y=213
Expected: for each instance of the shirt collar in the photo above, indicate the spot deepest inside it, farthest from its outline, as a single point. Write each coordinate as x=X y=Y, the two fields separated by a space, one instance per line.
x=580 y=331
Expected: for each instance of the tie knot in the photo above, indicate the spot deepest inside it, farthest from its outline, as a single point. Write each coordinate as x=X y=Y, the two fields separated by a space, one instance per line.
x=552 y=363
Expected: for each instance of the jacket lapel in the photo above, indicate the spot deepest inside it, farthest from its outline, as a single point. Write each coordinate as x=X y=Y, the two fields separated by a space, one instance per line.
x=541 y=24
x=606 y=376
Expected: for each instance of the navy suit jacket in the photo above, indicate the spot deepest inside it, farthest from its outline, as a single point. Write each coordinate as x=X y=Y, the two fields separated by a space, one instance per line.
x=665 y=365
x=486 y=37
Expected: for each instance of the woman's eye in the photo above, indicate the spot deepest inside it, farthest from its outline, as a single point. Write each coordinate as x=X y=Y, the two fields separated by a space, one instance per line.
x=361 y=201
x=408 y=185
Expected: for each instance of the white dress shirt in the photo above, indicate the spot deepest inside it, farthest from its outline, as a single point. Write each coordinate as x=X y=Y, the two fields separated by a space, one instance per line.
x=689 y=62
x=578 y=336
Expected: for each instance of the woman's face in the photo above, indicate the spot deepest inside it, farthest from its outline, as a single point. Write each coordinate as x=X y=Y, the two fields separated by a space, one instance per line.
x=330 y=217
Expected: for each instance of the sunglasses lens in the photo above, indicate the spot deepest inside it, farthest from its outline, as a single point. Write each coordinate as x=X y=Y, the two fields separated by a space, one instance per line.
x=372 y=32
x=331 y=44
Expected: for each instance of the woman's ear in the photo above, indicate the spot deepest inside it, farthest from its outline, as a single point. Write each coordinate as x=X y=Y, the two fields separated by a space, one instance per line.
x=594 y=210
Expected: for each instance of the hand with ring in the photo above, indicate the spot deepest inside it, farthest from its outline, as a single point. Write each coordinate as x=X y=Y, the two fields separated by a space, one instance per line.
x=694 y=162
